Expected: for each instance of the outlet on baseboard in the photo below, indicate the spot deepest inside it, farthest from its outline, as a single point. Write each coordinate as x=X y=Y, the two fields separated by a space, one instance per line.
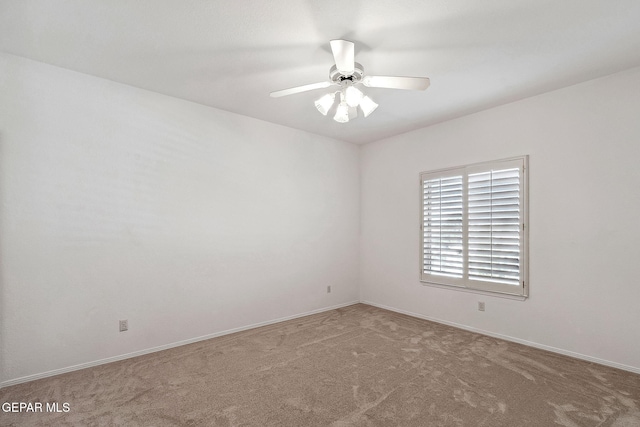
x=329 y=289
x=124 y=325
x=480 y=305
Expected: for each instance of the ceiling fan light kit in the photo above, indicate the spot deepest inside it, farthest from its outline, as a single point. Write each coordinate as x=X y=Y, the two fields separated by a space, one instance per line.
x=346 y=73
x=350 y=99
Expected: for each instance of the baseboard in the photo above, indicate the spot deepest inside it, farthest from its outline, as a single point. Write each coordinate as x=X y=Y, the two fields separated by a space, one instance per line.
x=609 y=363
x=295 y=316
x=164 y=347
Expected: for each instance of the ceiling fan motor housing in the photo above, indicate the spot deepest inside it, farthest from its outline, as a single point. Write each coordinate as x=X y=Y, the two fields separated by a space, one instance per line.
x=344 y=80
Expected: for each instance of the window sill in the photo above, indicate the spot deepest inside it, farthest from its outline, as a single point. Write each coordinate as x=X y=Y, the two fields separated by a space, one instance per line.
x=476 y=291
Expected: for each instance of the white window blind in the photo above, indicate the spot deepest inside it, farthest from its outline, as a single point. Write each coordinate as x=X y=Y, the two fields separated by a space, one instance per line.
x=442 y=246
x=494 y=226
x=474 y=227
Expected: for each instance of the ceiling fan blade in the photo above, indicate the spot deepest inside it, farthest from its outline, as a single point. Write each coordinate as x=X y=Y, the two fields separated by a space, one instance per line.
x=298 y=89
x=389 y=82
x=344 y=55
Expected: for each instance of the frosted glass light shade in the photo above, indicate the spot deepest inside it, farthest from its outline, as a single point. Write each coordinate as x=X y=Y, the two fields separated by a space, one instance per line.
x=342 y=113
x=367 y=105
x=353 y=96
x=325 y=103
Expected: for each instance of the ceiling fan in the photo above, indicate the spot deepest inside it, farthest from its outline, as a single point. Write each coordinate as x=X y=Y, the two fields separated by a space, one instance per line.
x=346 y=73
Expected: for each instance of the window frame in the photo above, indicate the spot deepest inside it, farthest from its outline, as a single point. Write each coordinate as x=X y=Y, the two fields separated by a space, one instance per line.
x=464 y=283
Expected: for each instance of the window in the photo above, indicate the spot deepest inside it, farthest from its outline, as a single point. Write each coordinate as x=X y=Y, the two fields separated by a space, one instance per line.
x=474 y=227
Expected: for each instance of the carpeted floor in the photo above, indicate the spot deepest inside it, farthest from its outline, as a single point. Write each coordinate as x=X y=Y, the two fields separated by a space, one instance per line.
x=356 y=366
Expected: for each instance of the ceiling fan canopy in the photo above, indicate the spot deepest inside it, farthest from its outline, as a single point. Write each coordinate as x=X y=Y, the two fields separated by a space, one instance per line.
x=345 y=74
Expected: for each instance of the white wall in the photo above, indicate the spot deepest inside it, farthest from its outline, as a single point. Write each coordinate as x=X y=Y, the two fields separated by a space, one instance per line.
x=118 y=203
x=584 y=147
x=190 y=221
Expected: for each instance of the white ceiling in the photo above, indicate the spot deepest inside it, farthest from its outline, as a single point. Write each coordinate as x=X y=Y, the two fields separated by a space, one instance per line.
x=231 y=54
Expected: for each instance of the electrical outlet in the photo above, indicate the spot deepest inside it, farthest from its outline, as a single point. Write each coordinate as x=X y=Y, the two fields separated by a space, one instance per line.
x=329 y=289
x=480 y=305
x=124 y=325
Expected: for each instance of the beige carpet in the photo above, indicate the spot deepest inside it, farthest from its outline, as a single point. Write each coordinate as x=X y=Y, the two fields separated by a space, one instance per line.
x=356 y=366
